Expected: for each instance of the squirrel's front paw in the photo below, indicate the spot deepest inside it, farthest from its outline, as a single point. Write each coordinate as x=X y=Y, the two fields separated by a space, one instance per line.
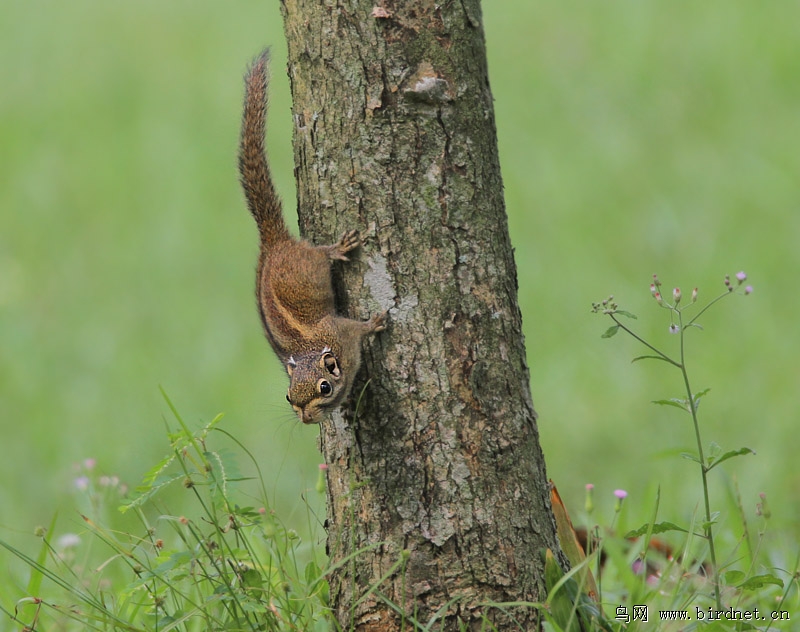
x=348 y=241
x=378 y=322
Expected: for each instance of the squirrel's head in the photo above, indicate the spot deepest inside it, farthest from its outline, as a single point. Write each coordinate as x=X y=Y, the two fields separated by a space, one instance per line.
x=317 y=384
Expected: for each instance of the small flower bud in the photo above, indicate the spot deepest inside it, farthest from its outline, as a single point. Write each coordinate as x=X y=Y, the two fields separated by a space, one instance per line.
x=740 y=277
x=674 y=329
x=589 y=503
x=658 y=298
x=653 y=289
x=621 y=495
x=748 y=289
x=321 y=481
x=728 y=282
x=676 y=295
x=694 y=295
x=656 y=282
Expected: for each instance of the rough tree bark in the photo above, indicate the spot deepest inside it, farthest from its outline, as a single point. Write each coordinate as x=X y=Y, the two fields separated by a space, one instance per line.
x=438 y=478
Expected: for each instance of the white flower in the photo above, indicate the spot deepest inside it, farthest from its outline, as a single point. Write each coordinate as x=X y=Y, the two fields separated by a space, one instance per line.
x=68 y=541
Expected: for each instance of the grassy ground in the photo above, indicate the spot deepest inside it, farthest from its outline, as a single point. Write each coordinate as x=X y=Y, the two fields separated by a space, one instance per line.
x=635 y=138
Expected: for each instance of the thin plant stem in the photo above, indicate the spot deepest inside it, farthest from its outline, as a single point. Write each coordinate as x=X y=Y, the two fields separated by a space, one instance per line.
x=702 y=311
x=661 y=354
x=703 y=468
x=692 y=406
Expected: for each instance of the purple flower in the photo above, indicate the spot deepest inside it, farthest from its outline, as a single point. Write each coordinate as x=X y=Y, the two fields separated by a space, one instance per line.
x=748 y=289
x=674 y=329
x=82 y=483
x=741 y=276
x=621 y=495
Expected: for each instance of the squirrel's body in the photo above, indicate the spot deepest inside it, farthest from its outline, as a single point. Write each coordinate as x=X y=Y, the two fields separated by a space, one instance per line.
x=320 y=350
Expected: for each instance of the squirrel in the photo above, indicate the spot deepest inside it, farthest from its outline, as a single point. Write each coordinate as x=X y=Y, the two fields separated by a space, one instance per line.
x=320 y=350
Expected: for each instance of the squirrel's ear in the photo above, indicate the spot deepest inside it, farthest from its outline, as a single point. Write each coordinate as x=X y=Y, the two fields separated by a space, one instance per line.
x=330 y=364
x=290 y=364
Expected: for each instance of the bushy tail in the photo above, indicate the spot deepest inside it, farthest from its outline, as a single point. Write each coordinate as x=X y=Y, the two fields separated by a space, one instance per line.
x=263 y=202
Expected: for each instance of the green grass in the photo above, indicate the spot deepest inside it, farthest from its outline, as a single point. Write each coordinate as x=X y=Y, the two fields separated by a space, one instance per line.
x=634 y=138
x=230 y=563
x=226 y=565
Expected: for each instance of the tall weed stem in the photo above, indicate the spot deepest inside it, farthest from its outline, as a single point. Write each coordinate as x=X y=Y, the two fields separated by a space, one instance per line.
x=691 y=402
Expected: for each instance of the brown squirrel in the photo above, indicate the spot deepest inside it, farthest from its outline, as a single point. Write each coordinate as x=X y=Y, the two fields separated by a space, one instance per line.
x=320 y=350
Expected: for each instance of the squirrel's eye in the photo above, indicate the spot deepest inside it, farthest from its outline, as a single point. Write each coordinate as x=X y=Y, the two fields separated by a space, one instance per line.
x=325 y=388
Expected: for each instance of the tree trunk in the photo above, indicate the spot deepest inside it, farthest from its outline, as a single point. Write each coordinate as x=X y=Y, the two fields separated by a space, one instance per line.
x=438 y=498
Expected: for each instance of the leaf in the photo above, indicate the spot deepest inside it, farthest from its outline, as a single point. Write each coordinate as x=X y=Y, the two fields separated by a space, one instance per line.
x=692 y=457
x=626 y=314
x=659 y=527
x=251 y=578
x=649 y=357
x=758 y=581
x=707 y=524
x=734 y=578
x=701 y=394
x=713 y=462
x=154 y=472
x=611 y=331
x=312 y=573
x=677 y=403
x=172 y=561
x=698 y=396
x=145 y=492
x=560 y=603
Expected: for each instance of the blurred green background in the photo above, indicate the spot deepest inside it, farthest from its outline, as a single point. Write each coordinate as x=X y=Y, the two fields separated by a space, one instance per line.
x=635 y=138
